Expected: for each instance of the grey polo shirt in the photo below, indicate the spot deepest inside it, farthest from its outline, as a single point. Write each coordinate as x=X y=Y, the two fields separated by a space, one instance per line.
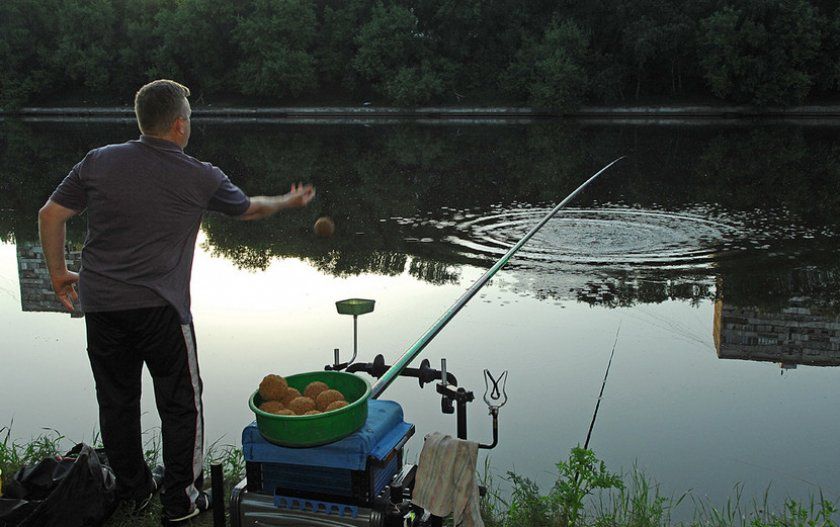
x=144 y=201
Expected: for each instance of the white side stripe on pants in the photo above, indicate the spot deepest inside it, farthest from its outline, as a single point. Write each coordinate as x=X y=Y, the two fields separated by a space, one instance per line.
x=198 y=448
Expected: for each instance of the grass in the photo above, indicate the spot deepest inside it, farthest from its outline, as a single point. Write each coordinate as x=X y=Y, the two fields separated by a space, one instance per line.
x=633 y=500
x=584 y=495
x=15 y=454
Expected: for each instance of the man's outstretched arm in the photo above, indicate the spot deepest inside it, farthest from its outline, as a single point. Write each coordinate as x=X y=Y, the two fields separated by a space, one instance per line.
x=51 y=226
x=265 y=206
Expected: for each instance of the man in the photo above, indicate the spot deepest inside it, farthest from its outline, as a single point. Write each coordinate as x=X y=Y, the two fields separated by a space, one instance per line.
x=144 y=201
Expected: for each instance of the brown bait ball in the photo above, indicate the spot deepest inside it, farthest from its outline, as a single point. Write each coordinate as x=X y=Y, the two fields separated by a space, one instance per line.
x=291 y=394
x=301 y=405
x=272 y=407
x=314 y=389
x=327 y=397
x=335 y=405
x=273 y=388
x=324 y=227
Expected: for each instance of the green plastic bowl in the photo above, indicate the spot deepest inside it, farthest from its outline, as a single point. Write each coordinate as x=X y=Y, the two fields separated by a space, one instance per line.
x=314 y=430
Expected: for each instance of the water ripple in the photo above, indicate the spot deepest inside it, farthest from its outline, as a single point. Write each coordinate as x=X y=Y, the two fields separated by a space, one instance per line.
x=612 y=237
x=597 y=236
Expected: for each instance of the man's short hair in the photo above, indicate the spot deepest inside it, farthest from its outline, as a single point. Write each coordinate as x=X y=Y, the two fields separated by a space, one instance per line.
x=158 y=104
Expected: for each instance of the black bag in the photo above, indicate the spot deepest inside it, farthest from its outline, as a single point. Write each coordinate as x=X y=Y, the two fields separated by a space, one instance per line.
x=77 y=490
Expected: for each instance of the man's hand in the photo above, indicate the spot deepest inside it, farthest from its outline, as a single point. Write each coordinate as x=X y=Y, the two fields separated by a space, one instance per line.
x=264 y=206
x=300 y=195
x=51 y=220
x=64 y=286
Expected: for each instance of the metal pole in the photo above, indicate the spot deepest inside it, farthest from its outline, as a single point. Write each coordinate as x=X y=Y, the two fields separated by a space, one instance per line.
x=462 y=416
x=217 y=480
x=394 y=371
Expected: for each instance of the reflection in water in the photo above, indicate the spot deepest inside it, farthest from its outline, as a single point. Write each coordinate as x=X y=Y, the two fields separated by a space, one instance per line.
x=36 y=292
x=688 y=207
x=788 y=317
x=794 y=335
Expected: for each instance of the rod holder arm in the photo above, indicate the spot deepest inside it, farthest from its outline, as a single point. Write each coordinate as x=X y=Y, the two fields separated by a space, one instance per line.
x=495 y=413
x=425 y=373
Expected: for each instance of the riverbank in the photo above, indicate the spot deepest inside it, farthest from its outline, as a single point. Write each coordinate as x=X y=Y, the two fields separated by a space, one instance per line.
x=435 y=112
x=586 y=494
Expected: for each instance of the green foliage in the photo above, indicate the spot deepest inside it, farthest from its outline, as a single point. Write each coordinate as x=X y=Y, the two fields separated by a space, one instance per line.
x=796 y=514
x=759 y=52
x=557 y=54
x=657 y=42
x=335 y=44
x=734 y=514
x=274 y=39
x=638 y=504
x=560 y=79
x=827 y=63
x=579 y=476
x=386 y=42
x=552 y=70
x=473 y=41
x=15 y=454
x=26 y=44
x=194 y=44
x=414 y=85
x=393 y=56
x=85 y=40
x=563 y=506
x=136 y=63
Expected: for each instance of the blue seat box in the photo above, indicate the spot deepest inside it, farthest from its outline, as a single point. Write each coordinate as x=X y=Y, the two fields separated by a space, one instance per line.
x=352 y=470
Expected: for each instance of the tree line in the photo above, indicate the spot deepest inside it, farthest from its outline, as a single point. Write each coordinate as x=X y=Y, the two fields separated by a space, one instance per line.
x=555 y=54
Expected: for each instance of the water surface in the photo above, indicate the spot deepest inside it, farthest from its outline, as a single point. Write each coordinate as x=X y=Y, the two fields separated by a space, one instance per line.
x=708 y=258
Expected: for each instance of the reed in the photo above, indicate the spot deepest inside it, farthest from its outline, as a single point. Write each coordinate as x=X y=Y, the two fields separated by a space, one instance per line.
x=635 y=501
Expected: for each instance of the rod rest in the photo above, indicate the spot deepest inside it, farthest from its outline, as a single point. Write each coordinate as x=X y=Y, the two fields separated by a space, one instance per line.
x=425 y=373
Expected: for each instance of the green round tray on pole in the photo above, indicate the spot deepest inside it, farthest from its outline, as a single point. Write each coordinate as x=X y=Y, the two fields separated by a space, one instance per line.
x=315 y=430
x=354 y=306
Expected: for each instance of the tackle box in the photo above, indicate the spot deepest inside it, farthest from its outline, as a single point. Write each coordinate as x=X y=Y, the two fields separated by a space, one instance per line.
x=353 y=470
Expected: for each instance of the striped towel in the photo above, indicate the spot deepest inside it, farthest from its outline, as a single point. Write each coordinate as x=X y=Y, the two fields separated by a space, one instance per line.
x=446 y=479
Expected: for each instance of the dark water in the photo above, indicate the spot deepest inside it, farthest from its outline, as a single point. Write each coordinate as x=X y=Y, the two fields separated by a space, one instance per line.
x=708 y=257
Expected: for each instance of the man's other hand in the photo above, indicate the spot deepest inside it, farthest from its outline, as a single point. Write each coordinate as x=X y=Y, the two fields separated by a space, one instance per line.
x=64 y=286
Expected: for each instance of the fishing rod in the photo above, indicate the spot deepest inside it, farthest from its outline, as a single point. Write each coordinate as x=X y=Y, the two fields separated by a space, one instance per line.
x=601 y=394
x=394 y=371
x=598 y=402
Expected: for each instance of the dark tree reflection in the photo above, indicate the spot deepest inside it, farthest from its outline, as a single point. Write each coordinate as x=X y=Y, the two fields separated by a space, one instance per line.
x=393 y=189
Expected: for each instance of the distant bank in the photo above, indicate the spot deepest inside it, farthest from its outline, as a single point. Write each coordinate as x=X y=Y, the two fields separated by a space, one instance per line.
x=686 y=112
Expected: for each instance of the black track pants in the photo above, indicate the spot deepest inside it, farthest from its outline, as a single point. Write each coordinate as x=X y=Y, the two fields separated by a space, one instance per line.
x=119 y=343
